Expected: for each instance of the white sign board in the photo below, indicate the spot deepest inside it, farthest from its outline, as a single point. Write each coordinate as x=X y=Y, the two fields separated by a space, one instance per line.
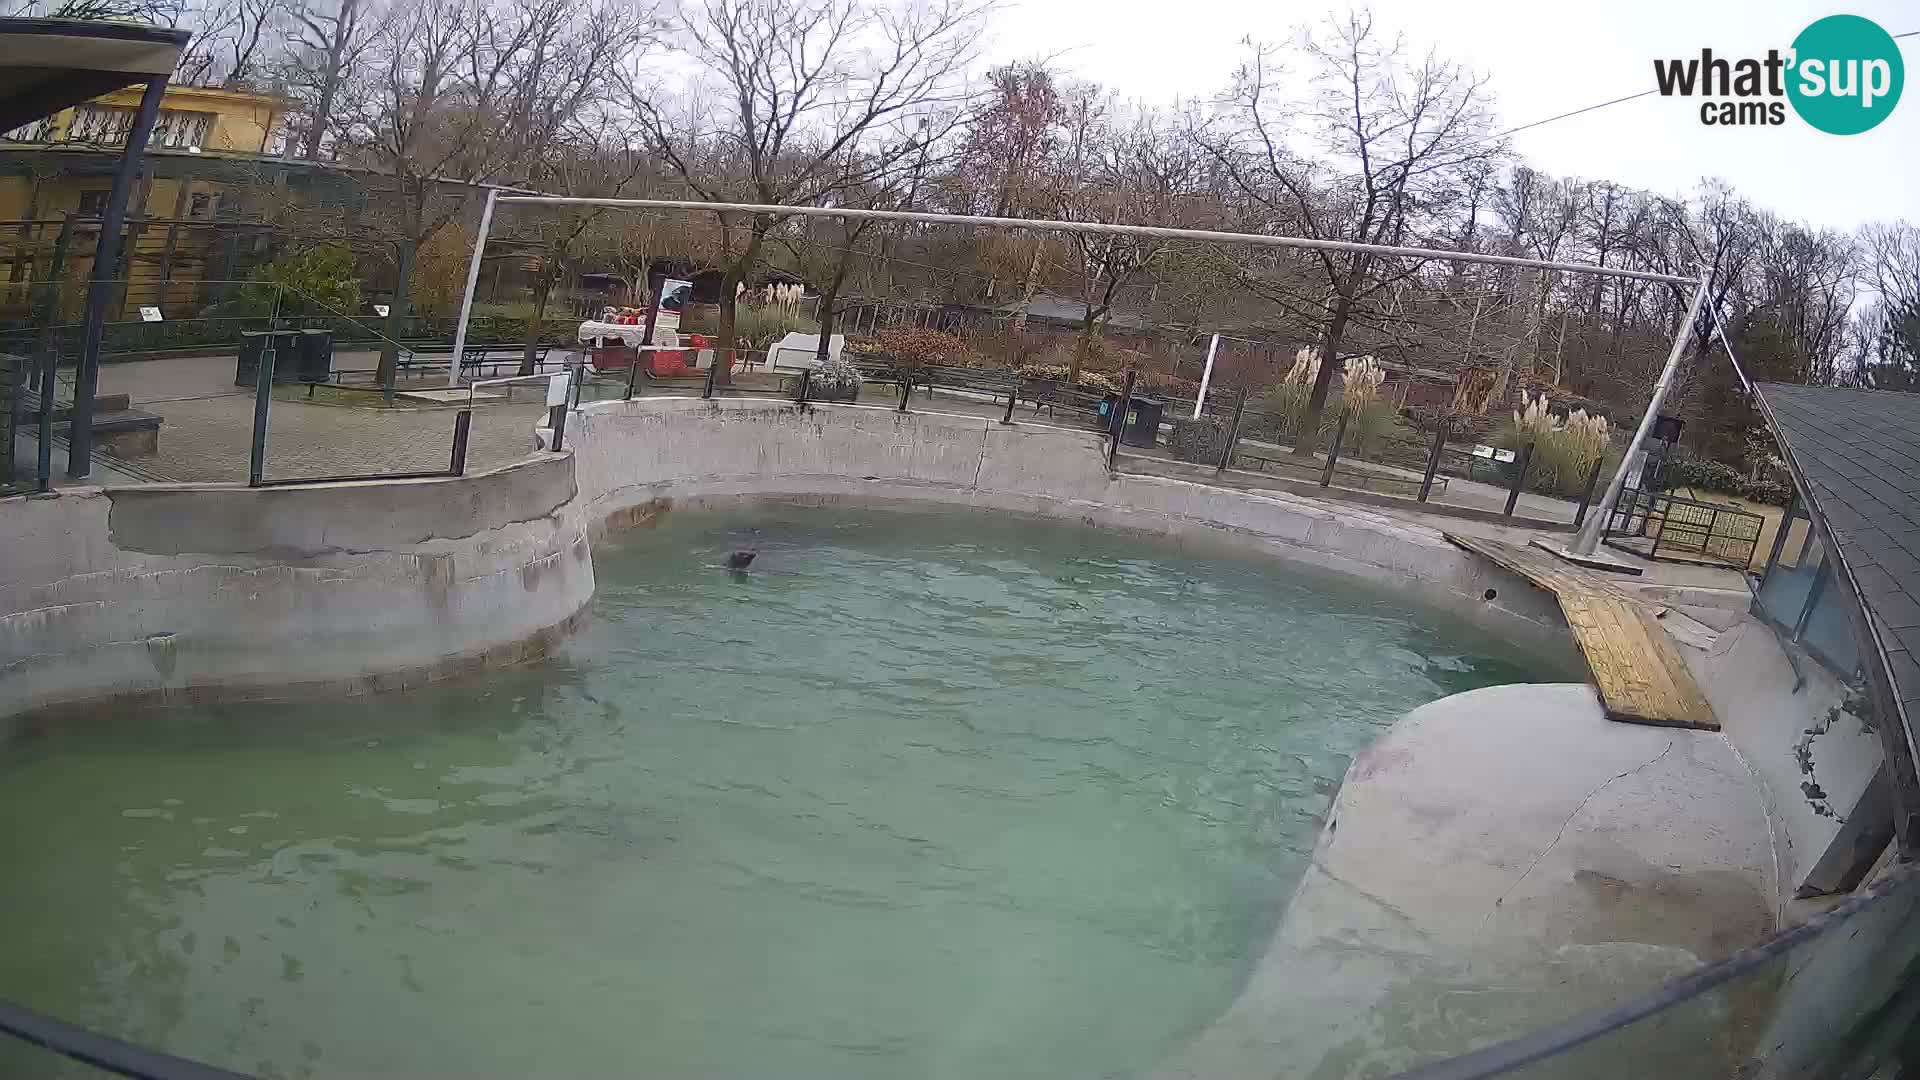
x=381 y=310
x=557 y=390
x=1491 y=454
x=675 y=295
x=150 y=314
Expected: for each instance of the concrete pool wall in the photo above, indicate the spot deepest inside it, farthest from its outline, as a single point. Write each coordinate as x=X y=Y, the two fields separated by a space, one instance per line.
x=638 y=456
x=208 y=591
x=1508 y=830
x=202 y=592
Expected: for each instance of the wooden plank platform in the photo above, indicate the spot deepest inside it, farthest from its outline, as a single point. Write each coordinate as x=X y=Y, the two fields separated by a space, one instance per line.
x=1638 y=672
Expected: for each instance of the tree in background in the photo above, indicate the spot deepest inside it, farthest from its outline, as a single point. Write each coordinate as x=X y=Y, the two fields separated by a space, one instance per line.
x=796 y=97
x=1393 y=143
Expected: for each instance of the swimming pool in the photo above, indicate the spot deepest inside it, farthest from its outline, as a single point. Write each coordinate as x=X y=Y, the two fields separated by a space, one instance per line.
x=936 y=793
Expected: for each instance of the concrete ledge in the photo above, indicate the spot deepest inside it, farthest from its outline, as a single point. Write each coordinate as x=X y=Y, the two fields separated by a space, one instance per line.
x=637 y=458
x=1500 y=860
x=161 y=593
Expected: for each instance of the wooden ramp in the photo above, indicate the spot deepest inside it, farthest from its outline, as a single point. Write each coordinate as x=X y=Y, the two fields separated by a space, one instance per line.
x=1640 y=675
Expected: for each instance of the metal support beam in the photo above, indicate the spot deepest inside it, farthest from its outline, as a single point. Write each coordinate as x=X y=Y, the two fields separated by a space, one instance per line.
x=1206 y=376
x=473 y=280
x=1587 y=540
x=1091 y=227
x=106 y=270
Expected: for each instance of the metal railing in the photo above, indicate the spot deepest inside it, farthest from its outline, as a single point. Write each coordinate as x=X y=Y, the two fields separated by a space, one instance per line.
x=1669 y=528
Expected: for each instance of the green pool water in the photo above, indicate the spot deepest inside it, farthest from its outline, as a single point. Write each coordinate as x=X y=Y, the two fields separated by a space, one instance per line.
x=923 y=794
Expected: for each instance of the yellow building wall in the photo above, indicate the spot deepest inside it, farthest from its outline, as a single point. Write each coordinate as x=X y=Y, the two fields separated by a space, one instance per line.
x=243 y=123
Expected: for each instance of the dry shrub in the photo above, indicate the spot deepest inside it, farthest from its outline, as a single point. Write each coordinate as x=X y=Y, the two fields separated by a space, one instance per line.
x=917 y=346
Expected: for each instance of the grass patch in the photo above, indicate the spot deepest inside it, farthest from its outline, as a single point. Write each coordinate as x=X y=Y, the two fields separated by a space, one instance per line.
x=321 y=394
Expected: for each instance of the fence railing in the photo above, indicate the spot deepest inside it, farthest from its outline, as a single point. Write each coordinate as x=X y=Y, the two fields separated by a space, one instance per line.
x=1669 y=528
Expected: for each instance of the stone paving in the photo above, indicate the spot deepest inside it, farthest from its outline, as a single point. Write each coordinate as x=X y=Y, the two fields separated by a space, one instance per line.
x=207 y=427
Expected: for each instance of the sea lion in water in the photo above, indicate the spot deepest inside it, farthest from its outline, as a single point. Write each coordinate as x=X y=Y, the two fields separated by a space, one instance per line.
x=740 y=560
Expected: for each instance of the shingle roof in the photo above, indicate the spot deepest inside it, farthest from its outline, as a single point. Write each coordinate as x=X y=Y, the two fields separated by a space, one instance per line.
x=1859 y=453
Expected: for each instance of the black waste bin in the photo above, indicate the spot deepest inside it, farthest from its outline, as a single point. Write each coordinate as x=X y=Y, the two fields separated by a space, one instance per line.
x=286 y=346
x=316 y=357
x=1142 y=424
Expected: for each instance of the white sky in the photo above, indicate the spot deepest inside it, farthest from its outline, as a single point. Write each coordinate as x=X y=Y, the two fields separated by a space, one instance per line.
x=1543 y=58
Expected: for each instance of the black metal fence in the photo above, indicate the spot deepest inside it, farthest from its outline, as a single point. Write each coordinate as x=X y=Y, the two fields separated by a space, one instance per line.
x=1669 y=528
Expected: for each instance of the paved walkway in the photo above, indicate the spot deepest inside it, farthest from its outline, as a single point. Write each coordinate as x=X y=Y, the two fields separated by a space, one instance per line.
x=207 y=427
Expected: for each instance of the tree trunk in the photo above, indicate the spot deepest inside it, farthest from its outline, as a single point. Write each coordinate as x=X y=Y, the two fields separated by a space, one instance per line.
x=1082 y=346
x=1028 y=285
x=540 y=294
x=396 y=315
x=330 y=81
x=824 y=349
x=723 y=353
x=1308 y=436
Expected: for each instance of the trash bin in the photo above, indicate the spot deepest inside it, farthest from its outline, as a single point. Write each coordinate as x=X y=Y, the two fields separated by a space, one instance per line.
x=315 y=357
x=1143 y=421
x=1142 y=424
x=286 y=361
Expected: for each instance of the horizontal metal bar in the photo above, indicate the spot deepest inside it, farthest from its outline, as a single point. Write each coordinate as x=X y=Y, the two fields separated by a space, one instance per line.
x=290 y=481
x=1099 y=227
x=103 y=1051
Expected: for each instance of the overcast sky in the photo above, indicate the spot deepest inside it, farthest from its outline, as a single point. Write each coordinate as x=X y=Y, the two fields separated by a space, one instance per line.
x=1543 y=59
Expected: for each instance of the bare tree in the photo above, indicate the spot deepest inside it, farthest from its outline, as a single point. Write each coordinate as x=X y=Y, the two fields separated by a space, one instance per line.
x=1132 y=174
x=328 y=42
x=1395 y=142
x=233 y=41
x=797 y=92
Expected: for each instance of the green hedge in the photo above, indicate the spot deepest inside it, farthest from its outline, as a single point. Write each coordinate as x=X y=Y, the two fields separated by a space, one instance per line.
x=1725 y=479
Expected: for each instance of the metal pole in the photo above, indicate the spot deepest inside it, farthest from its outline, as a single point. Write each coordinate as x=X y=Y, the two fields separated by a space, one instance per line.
x=473 y=281
x=262 y=403
x=1233 y=432
x=1519 y=478
x=1013 y=393
x=47 y=349
x=1587 y=540
x=806 y=379
x=1586 y=494
x=707 y=390
x=1433 y=458
x=1333 y=448
x=1095 y=228
x=462 y=420
x=106 y=267
x=1206 y=376
x=1118 y=422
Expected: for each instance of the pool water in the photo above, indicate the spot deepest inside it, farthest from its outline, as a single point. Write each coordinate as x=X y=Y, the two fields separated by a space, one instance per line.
x=928 y=794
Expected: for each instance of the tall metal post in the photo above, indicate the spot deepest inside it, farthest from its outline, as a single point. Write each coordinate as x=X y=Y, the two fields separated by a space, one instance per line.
x=48 y=353
x=1587 y=540
x=1333 y=448
x=1520 y=465
x=106 y=266
x=473 y=281
x=1233 y=432
x=1433 y=457
x=1206 y=376
x=1117 y=423
x=262 y=404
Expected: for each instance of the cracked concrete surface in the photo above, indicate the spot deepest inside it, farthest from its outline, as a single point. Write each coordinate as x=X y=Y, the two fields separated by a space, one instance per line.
x=1518 y=852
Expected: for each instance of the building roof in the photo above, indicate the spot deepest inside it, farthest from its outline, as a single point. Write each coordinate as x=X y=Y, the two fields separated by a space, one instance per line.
x=1857 y=453
x=51 y=64
x=1061 y=309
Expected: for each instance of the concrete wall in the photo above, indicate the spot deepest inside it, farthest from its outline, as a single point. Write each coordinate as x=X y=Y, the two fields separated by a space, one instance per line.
x=637 y=456
x=1501 y=860
x=180 y=591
